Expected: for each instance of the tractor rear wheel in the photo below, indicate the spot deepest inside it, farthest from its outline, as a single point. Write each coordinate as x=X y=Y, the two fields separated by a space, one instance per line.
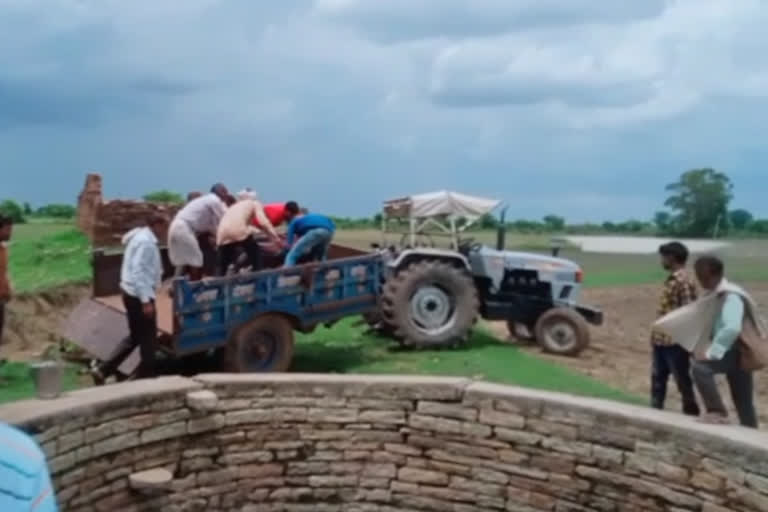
x=430 y=304
x=264 y=344
x=562 y=331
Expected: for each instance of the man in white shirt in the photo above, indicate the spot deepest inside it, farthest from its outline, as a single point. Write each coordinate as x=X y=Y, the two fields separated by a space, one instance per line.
x=201 y=216
x=140 y=277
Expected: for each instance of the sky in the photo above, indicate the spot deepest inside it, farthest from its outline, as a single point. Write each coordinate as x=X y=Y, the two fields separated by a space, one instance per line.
x=581 y=108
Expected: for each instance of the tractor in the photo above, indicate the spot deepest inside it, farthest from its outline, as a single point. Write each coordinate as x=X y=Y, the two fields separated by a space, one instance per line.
x=431 y=297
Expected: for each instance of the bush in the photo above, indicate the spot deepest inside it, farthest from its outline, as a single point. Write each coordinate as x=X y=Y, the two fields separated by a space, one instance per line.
x=58 y=211
x=12 y=209
x=164 y=196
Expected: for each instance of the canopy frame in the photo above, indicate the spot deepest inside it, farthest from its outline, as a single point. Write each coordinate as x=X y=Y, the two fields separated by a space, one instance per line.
x=439 y=211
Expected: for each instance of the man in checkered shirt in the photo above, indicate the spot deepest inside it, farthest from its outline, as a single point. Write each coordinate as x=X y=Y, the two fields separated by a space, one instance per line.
x=670 y=359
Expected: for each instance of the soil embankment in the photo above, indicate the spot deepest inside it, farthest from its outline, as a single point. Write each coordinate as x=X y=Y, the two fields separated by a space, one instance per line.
x=33 y=321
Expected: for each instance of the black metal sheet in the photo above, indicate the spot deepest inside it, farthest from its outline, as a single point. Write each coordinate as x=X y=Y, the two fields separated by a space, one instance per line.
x=99 y=329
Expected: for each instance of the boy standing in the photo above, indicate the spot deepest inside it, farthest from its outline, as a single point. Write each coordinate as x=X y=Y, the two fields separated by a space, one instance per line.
x=6 y=229
x=668 y=358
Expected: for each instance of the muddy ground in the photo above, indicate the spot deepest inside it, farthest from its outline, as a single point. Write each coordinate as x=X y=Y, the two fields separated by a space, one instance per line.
x=620 y=352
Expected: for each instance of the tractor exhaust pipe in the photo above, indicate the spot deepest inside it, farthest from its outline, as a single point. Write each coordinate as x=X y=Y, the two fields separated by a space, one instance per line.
x=501 y=232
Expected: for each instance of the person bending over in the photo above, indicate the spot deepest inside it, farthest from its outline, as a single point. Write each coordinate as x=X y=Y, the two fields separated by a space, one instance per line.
x=316 y=232
x=199 y=217
x=236 y=232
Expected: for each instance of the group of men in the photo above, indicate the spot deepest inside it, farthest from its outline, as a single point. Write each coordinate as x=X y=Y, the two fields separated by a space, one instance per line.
x=216 y=219
x=231 y=224
x=725 y=348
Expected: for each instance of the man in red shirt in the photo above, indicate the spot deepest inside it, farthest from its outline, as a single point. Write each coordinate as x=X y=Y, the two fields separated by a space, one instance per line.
x=276 y=213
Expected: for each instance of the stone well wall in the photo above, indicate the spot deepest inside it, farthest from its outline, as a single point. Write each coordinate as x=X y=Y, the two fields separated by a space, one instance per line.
x=296 y=442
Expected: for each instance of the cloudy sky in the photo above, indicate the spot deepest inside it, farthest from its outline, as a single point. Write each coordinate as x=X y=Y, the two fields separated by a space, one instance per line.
x=585 y=108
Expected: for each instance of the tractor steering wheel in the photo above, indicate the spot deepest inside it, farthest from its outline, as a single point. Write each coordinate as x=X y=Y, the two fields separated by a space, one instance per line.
x=469 y=244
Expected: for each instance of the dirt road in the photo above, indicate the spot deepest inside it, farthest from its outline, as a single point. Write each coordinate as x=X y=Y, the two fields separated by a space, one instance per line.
x=620 y=352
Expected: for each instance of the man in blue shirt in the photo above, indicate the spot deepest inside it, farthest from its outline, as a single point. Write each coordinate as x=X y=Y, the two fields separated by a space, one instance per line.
x=723 y=355
x=316 y=232
x=25 y=483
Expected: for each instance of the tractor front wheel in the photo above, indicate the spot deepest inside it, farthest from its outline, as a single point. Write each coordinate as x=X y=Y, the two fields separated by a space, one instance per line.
x=562 y=331
x=264 y=344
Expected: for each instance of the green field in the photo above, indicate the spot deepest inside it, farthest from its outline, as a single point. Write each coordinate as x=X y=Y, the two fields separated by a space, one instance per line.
x=47 y=254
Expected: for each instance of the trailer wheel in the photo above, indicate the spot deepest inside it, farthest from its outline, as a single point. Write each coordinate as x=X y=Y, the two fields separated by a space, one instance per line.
x=430 y=304
x=264 y=344
x=562 y=331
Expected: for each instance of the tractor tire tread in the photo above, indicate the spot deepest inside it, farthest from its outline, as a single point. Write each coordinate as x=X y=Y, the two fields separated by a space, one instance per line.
x=394 y=303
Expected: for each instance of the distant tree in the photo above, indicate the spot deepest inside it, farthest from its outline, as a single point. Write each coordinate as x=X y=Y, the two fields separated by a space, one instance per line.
x=759 y=226
x=740 y=219
x=27 y=209
x=663 y=222
x=554 y=223
x=164 y=196
x=12 y=209
x=488 y=221
x=609 y=226
x=59 y=211
x=527 y=226
x=632 y=226
x=700 y=200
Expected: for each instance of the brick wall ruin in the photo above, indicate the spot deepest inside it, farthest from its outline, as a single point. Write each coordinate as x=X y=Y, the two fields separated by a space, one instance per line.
x=331 y=443
x=106 y=221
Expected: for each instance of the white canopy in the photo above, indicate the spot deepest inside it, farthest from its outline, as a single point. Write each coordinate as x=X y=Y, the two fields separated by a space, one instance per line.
x=434 y=204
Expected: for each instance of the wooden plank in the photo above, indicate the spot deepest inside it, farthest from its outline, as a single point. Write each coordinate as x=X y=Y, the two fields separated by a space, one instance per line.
x=99 y=329
x=164 y=305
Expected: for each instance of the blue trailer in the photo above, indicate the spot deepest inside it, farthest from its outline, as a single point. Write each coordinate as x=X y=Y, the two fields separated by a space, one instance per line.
x=248 y=319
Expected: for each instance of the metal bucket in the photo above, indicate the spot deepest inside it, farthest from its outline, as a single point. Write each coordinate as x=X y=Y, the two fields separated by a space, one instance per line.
x=48 y=378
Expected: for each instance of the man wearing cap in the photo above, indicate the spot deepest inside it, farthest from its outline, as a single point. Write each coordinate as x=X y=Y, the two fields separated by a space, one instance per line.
x=201 y=216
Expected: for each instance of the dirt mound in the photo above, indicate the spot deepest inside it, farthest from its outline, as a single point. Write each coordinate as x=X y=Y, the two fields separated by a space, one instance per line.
x=33 y=321
x=620 y=355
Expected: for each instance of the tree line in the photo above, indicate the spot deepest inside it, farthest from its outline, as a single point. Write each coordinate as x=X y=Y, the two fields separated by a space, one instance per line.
x=698 y=205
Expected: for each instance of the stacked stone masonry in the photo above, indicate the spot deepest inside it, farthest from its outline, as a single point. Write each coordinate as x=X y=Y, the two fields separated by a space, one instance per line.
x=296 y=442
x=105 y=222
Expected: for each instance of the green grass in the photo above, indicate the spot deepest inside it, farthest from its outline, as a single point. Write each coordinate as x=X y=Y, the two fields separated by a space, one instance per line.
x=48 y=254
x=348 y=348
x=16 y=381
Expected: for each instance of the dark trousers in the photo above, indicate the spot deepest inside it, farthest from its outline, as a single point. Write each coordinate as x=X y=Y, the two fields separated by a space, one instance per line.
x=675 y=361
x=228 y=254
x=143 y=333
x=739 y=380
x=2 y=323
